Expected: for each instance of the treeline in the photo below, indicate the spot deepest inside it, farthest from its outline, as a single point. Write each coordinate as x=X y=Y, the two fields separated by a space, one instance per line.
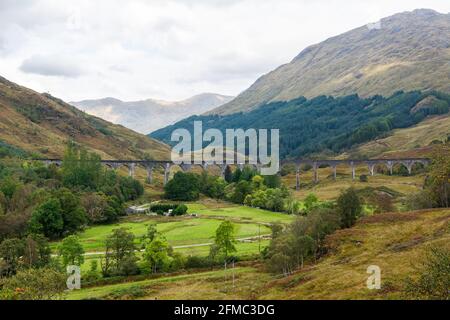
x=239 y=186
x=326 y=124
x=304 y=239
x=54 y=202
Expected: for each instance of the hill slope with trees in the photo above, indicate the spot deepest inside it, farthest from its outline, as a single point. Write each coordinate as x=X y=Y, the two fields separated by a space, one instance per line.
x=326 y=124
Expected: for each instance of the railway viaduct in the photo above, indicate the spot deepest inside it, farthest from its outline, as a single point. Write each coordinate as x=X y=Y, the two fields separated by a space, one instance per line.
x=150 y=165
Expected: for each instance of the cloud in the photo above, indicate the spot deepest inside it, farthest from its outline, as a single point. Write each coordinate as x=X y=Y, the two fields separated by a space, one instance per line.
x=51 y=66
x=168 y=49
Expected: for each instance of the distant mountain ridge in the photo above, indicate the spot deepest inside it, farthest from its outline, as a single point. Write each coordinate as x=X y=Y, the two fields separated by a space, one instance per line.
x=148 y=115
x=407 y=51
x=35 y=124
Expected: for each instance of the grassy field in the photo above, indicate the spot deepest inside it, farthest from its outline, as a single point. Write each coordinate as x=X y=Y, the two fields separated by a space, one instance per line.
x=393 y=241
x=328 y=189
x=186 y=231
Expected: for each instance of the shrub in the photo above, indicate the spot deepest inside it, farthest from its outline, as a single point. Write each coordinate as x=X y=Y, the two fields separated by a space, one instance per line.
x=433 y=280
x=162 y=207
x=183 y=187
x=193 y=262
x=382 y=202
x=47 y=219
x=180 y=210
x=419 y=200
x=349 y=207
x=35 y=284
x=363 y=178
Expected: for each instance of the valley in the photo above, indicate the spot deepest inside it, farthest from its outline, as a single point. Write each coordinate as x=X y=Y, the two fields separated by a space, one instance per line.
x=393 y=241
x=95 y=206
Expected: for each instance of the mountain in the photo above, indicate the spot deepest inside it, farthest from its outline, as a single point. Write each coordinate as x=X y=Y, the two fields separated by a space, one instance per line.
x=40 y=125
x=328 y=126
x=407 y=51
x=148 y=115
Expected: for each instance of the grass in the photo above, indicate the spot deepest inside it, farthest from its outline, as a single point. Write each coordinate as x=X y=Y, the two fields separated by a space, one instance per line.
x=393 y=241
x=184 y=231
x=240 y=213
x=328 y=189
x=188 y=231
x=216 y=284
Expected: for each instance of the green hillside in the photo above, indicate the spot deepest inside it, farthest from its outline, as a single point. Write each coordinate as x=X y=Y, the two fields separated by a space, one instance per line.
x=324 y=124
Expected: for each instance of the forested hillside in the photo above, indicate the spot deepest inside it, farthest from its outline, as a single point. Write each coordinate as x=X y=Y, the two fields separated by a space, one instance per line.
x=327 y=124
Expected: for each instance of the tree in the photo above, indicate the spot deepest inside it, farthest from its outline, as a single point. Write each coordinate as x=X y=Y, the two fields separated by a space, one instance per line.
x=247 y=173
x=183 y=187
x=11 y=250
x=237 y=175
x=273 y=181
x=228 y=174
x=100 y=208
x=37 y=252
x=71 y=251
x=157 y=254
x=281 y=259
x=275 y=200
x=80 y=168
x=349 y=207
x=439 y=181
x=321 y=222
x=213 y=187
x=73 y=214
x=47 y=219
x=180 y=210
x=151 y=233
x=304 y=246
x=225 y=238
x=241 y=190
x=119 y=253
x=35 y=284
x=258 y=182
x=310 y=201
x=8 y=186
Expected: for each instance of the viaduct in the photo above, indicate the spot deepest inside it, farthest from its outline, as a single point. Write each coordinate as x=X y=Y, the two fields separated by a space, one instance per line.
x=149 y=165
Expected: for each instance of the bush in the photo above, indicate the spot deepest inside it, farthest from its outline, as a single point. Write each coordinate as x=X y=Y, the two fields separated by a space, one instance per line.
x=419 y=200
x=382 y=202
x=363 y=178
x=35 y=284
x=162 y=207
x=433 y=281
x=193 y=262
x=183 y=187
x=47 y=219
x=349 y=206
x=180 y=210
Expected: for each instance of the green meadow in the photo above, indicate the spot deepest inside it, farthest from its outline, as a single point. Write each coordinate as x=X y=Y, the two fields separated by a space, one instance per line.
x=192 y=235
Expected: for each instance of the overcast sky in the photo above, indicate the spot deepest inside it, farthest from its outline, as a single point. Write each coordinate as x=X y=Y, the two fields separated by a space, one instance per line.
x=168 y=49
